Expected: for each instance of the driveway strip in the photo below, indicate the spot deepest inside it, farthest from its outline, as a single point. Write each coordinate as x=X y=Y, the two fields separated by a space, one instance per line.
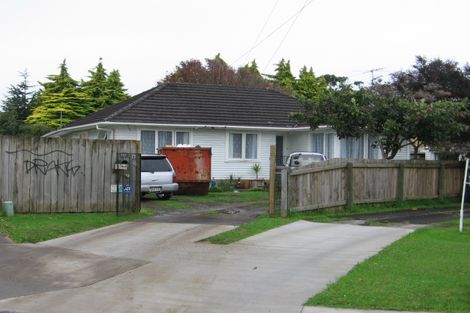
x=276 y=271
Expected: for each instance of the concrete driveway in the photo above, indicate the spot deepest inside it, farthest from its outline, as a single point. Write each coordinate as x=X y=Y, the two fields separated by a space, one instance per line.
x=161 y=267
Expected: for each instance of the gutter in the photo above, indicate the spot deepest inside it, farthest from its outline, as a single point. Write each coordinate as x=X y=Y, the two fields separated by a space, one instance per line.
x=97 y=125
x=208 y=126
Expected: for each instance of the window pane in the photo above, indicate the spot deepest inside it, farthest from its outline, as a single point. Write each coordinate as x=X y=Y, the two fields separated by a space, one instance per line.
x=182 y=138
x=147 y=139
x=149 y=164
x=235 y=146
x=317 y=143
x=330 y=146
x=251 y=149
x=165 y=138
x=352 y=148
x=373 y=153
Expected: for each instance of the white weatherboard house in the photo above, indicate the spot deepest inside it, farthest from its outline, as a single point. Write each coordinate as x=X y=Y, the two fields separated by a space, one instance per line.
x=238 y=123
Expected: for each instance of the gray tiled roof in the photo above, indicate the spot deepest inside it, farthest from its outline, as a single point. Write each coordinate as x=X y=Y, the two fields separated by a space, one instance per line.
x=195 y=104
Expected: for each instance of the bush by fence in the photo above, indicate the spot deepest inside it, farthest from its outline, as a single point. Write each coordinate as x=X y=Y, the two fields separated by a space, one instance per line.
x=45 y=175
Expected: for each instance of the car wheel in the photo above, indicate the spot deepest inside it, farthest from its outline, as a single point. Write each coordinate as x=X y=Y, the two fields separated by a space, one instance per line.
x=163 y=196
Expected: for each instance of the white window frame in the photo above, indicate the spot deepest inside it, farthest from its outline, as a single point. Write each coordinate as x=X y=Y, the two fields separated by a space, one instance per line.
x=228 y=157
x=173 y=135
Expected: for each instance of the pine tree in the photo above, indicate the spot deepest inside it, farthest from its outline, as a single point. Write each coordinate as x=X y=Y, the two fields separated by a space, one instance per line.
x=60 y=101
x=309 y=88
x=115 y=91
x=95 y=87
x=283 y=76
x=20 y=99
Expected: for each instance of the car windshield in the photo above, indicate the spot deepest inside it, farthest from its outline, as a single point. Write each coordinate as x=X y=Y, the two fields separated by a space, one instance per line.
x=304 y=159
x=155 y=165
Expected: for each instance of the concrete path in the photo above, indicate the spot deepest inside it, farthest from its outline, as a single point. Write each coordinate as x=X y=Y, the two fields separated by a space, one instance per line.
x=276 y=271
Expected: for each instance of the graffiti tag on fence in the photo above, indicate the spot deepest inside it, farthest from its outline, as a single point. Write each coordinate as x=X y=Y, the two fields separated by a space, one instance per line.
x=43 y=167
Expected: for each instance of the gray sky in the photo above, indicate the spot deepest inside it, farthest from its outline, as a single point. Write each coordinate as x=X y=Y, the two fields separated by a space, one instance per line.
x=146 y=39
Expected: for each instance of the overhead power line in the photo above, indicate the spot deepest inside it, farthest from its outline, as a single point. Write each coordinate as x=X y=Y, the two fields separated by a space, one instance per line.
x=272 y=32
x=287 y=33
x=264 y=26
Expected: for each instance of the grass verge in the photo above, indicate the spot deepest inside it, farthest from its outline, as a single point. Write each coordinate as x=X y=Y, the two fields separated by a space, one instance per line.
x=264 y=223
x=429 y=270
x=33 y=228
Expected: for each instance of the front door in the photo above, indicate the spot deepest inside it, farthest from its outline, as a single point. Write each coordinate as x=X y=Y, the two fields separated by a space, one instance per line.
x=279 y=150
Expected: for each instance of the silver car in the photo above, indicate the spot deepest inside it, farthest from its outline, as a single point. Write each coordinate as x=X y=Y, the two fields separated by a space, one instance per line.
x=157 y=176
x=297 y=159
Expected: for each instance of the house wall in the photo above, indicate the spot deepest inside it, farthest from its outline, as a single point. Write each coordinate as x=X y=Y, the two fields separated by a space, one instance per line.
x=217 y=139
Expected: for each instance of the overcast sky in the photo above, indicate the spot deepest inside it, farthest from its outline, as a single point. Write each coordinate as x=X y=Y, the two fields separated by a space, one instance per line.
x=146 y=39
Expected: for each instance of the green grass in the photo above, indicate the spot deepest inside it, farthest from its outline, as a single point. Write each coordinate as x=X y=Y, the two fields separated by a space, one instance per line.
x=260 y=224
x=264 y=223
x=428 y=270
x=33 y=228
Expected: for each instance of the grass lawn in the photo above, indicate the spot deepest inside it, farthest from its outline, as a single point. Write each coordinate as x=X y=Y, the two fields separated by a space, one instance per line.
x=40 y=227
x=264 y=223
x=213 y=198
x=428 y=270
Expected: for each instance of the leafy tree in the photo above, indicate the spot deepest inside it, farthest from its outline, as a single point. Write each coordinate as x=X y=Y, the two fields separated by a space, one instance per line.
x=343 y=109
x=250 y=76
x=433 y=80
x=394 y=121
x=60 y=101
x=217 y=71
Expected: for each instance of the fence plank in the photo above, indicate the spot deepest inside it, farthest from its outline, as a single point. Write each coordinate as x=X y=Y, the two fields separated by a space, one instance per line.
x=64 y=175
x=343 y=182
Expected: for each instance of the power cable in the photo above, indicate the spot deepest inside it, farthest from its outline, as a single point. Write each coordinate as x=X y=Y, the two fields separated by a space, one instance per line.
x=262 y=28
x=287 y=33
x=270 y=34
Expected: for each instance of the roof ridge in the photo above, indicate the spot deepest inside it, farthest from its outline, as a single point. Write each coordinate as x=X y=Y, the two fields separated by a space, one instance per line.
x=133 y=103
x=223 y=85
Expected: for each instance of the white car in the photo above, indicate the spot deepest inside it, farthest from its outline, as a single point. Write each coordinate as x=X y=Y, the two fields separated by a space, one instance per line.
x=297 y=159
x=157 y=176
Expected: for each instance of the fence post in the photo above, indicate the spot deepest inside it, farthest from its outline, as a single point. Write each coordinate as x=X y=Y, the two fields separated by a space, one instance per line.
x=401 y=182
x=442 y=179
x=272 y=181
x=284 y=192
x=349 y=186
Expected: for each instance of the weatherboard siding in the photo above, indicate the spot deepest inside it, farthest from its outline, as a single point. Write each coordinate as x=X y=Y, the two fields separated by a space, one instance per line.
x=222 y=166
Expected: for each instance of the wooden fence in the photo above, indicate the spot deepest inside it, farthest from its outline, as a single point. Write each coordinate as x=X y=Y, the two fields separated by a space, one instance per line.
x=45 y=175
x=341 y=182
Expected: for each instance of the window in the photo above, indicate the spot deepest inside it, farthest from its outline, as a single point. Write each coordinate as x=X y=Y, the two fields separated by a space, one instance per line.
x=251 y=146
x=352 y=148
x=373 y=149
x=235 y=146
x=330 y=145
x=147 y=139
x=165 y=138
x=182 y=138
x=317 y=143
x=243 y=146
